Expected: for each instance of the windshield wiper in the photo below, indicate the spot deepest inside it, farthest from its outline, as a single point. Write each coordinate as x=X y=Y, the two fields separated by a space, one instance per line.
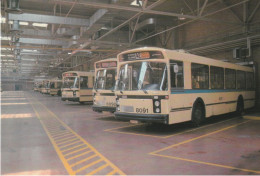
x=145 y=91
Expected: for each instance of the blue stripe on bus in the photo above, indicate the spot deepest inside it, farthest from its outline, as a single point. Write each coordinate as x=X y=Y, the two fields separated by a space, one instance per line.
x=190 y=91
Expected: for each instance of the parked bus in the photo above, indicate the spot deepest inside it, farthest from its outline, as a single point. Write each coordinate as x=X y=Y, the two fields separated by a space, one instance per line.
x=105 y=78
x=45 y=84
x=77 y=86
x=167 y=86
x=55 y=87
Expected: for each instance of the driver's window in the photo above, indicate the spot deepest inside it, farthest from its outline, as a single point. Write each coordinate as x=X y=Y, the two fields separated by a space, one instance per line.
x=83 y=82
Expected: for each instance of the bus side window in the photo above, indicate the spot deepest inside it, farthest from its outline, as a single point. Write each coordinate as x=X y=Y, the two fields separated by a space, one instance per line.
x=200 y=76
x=241 y=80
x=249 y=80
x=83 y=82
x=177 y=79
x=230 y=78
x=216 y=77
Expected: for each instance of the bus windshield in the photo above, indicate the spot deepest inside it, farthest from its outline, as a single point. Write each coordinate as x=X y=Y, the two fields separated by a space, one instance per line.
x=105 y=79
x=143 y=76
x=71 y=82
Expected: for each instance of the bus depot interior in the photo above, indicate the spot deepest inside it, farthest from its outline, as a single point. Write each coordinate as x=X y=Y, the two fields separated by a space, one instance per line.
x=130 y=87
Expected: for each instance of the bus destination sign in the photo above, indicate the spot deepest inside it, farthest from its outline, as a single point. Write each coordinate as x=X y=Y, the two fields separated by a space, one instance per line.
x=69 y=74
x=106 y=64
x=141 y=55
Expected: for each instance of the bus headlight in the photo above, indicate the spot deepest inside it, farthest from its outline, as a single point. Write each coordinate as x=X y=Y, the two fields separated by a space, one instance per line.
x=117 y=102
x=157 y=103
x=157 y=109
x=118 y=108
x=74 y=93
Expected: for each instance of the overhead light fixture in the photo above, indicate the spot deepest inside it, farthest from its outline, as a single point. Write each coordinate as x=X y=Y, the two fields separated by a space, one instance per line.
x=69 y=53
x=5 y=38
x=182 y=17
x=40 y=24
x=137 y=3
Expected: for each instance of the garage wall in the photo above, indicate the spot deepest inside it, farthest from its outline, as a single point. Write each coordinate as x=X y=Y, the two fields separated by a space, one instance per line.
x=12 y=86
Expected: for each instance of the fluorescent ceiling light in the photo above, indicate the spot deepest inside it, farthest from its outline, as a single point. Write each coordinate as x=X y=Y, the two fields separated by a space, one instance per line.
x=69 y=53
x=27 y=50
x=40 y=24
x=8 y=55
x=134 y=3
x=23 y=23
x=5 y=38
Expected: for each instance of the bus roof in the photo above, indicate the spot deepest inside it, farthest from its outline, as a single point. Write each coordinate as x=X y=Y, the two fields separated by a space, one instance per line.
x=183 y=56
x=104 y=60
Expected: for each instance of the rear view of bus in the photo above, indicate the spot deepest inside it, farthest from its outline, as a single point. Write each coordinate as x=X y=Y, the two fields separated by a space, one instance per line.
x=103 y=93
x=142 y=86
x=77 y=86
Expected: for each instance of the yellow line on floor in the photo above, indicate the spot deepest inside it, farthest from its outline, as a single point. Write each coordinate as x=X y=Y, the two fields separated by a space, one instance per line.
x=41 y=107
x=199 y=137
x=98 y=169
x=252 y=117
x=81 y=154
x=206 y=163
x=76 y=151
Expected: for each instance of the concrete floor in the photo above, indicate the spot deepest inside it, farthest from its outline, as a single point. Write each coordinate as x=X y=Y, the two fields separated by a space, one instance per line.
x=43 y=135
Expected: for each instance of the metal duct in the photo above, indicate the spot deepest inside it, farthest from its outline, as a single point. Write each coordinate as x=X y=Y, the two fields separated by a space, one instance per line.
x=149 y=21
x=13 y=7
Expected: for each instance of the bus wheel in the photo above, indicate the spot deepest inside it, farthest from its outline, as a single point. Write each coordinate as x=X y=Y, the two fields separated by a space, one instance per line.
x=198 y=114
x=240 y=106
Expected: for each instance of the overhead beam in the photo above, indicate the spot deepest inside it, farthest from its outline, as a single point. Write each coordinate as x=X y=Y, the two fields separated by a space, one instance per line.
x=254 y=11
x=42 y=41
x=49 y=19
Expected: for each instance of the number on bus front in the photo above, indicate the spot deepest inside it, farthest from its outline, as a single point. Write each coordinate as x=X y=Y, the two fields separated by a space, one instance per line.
x=141 y=110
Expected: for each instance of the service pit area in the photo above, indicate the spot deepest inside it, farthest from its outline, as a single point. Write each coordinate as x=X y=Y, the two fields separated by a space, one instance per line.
x=43 y=135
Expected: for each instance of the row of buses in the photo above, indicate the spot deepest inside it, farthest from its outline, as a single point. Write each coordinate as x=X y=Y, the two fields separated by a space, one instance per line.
x=163 y=86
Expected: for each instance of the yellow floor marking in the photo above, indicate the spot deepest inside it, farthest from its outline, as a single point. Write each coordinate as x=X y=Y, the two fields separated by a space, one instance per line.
x=91 y=164
x=164 y=137
x=64 y=146
x=70 y=153
x=98 y=169
x=198 y=128
x=59 y=135
x=78 y=146
x=155 y=153
x=199 y=137
x=122 y=127
x=82 y=161
x=57 y=131
x=112 y=172
x=66 y=165
x=62 y=136
x=206 y=163
x=64 y=139
x=252 y=117
x=65 y=142
x=137 y=134
x=61 y=155
x=76 y=156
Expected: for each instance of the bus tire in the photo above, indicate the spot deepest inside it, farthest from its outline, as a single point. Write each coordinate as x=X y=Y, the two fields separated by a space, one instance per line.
x=240 y=106
x=198 y=114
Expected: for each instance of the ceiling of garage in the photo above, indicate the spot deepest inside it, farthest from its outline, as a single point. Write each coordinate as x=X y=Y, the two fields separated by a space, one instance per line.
x=47 y=37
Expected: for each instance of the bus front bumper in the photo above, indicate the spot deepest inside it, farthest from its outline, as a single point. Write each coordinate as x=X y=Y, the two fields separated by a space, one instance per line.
x=76 y=99
x=157 y=118
x=103 y=108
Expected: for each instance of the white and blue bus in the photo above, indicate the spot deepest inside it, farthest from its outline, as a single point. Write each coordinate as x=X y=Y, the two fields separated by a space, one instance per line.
x=104 y=88
x=167 y=86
